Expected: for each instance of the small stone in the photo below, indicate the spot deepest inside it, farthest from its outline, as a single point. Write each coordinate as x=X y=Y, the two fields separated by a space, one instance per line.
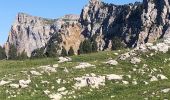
x=112 y=62
x=135 y=60
x=83 y=65
x=166 y=90
x=35 y=73
x=61 y=89
x=114 y=77
x=55 y=96
x=14 y=86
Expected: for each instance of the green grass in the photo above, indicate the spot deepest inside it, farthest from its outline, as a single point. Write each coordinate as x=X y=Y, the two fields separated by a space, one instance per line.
x=111 y=91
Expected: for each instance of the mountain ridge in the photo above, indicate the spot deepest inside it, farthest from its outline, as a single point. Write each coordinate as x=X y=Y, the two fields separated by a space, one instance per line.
x=134 y=24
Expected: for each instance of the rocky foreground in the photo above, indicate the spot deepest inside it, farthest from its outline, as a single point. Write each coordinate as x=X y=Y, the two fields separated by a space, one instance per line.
x=141 y=73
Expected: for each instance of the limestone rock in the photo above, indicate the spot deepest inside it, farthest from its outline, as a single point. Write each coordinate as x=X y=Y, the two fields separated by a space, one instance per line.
x=134 y=24
x=29 y=33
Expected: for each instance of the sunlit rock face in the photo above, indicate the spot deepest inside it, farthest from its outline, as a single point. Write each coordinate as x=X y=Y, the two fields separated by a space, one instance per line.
x=135 y=24
x=29 y=32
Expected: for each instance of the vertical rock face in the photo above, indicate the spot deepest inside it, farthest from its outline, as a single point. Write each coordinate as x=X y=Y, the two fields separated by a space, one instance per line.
x=109 y=20
x=155 y=20
x=135 y=24
x=29 y=32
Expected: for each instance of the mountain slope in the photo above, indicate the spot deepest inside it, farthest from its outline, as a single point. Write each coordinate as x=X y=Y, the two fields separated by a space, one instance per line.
x=141 y=73
x=134 y=24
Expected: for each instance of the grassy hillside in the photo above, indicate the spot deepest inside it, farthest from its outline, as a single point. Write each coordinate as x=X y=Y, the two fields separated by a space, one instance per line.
x=113 y=89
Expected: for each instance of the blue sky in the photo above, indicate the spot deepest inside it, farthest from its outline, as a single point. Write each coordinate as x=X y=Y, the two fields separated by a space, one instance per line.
x=43 y=8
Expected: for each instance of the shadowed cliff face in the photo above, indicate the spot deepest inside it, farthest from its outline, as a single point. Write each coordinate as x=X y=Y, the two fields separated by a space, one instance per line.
x=135 y=24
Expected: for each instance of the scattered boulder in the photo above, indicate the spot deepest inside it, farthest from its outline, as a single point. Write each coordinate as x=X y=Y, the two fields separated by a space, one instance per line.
x=165 y=90
x=64 y=59
x=125 y=82
x=134 y=82
x=161 y=47
x=153 y=78
x=35 y=73
x=114 y=77
x=58 y=81
x=55 y=65
x=84 y=65
x=2 y=82
x=46 y=92
x=55 y=96
x=124 y=56
x=48 y=69
x=45 y=82
x=66 y=70
x=135 y=60
x=92 y=81
x=14 y=86
x=162 y=77
x=24 y=83
x=116 y=54
x=61 y=89
x=112 y=62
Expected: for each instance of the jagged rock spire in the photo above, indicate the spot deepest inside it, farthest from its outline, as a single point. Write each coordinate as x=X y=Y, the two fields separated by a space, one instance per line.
x=94 y=1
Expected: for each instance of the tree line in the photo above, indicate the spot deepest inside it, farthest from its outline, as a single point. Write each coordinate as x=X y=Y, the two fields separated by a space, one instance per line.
x=87 y=46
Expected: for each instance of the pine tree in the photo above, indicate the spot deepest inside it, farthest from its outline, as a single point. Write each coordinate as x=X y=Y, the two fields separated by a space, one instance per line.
x=71 y=51
x=51 y=50
x=80 y=51
x=94 y=46
x=22 y=55
x=12 y=54
x=63 y=52
x=87 y=47
x=2 y=53
x=117 y=43
x=38 y=53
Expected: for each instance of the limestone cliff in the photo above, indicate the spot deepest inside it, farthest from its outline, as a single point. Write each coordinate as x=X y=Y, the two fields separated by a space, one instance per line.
x=135 y=24
x=29 y=32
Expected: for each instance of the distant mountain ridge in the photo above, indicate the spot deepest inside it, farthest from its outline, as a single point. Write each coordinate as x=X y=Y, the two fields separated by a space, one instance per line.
x=135 y=24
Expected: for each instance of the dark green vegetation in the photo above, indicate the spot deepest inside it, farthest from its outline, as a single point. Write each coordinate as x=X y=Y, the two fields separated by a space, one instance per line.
x=2 y=53
x=117 y=44
x=71 y=51
x=88 y=46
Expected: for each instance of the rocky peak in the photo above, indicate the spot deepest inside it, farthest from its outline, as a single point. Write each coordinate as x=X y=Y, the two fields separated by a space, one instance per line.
x=30 y=32
x=134 y=24
x=94 y=2
x=71 y=17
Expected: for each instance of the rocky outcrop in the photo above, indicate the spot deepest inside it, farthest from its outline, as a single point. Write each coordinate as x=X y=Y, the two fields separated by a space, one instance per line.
x=155 y=20
x=109 y=20
x=134 y=24
x=29 y=32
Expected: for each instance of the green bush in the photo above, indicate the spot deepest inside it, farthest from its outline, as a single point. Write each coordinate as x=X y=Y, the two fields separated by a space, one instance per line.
x=22 y=55
x=64 y=52
x=117 y=44
x=71 y=51
x=12 y=54
x=51 y=50
x=94 y=46
x=2 y=53
x=38 y=53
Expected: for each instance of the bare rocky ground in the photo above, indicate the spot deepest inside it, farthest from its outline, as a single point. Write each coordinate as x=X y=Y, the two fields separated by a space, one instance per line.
x=141 y=74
